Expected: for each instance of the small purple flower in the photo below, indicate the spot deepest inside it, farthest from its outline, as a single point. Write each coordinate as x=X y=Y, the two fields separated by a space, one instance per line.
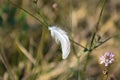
x=107 y=58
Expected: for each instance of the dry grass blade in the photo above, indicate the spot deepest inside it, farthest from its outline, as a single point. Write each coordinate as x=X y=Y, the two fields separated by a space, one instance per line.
x=25 y=52
x=57 y=70
x=6 y=64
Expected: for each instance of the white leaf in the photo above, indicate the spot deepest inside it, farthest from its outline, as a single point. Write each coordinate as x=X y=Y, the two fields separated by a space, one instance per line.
x=62 y=37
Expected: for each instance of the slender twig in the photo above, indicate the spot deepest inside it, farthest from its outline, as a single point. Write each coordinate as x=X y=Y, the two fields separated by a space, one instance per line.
x=100 y=16
x=98 y=22
x=94 y=34
x=39 y=13
x=102 y=43
x=77 y=43
x=28 y=13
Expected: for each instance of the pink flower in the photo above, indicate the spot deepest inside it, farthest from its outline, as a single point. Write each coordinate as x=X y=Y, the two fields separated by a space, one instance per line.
x=107 y=58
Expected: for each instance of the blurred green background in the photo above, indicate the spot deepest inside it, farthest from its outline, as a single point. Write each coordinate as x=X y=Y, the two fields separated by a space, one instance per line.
x=29 y=53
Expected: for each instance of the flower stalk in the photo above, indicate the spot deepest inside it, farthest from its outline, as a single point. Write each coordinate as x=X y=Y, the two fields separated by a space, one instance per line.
x=90 y=49
x=106 y=59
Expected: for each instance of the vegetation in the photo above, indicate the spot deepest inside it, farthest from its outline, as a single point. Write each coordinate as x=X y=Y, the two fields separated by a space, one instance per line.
x=28 y=52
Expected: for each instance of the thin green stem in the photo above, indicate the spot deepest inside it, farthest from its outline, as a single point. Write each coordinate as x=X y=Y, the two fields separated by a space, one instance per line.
x=94 y=34
x=41 y=22
x=77 y=43
x=41 y=16
x=102 y=43
x=97 y=25
x=100 y=15
x=87 y=59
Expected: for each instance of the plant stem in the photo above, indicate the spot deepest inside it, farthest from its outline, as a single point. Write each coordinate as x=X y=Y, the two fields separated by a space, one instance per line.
x=41 y=22
x=41 y=16
x=105 y=72
x=102 y=42
x=5 y=62
x=77 y=43
x=94 y=34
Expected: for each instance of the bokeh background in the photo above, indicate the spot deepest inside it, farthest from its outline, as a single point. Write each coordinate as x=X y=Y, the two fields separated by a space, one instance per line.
x=28 y=51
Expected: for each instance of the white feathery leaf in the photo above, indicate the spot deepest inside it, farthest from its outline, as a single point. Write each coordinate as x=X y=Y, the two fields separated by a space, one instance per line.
x=62 y=37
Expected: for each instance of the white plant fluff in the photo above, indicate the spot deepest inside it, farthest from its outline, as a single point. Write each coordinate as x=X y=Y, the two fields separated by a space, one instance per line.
x=62 y=37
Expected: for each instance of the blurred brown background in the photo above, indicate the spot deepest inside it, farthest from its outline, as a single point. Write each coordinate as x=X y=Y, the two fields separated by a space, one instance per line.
x=29 y=53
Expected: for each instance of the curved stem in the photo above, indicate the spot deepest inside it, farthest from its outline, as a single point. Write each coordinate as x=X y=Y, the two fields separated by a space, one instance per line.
x=39 y=13
x=41 y=22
